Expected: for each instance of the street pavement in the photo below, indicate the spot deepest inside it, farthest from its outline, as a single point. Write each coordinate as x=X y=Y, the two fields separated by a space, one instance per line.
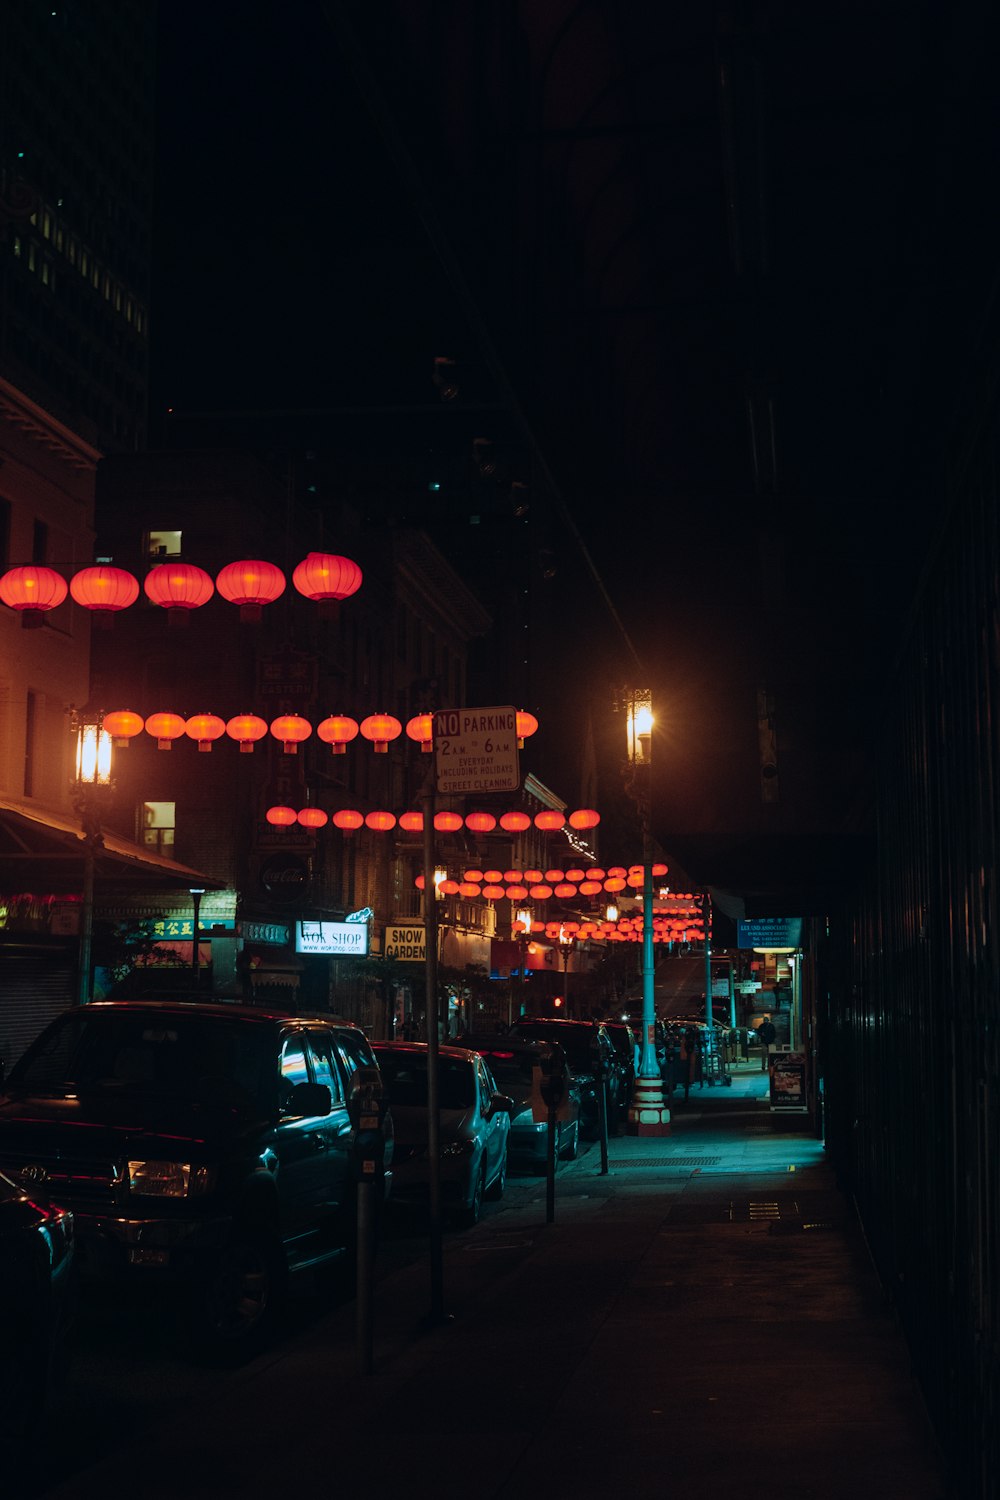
x=701 y=1320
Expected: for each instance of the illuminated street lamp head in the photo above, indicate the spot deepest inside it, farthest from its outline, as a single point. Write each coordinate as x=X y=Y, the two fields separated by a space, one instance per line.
x=93 y=753
x=639 y=725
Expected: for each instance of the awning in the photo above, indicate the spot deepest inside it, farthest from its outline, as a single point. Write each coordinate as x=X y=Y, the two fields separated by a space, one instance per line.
x=44 y=847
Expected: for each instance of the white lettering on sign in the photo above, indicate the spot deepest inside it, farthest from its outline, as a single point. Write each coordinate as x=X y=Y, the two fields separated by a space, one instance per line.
x=405 y=941
x=334 y=938
x=476 y=750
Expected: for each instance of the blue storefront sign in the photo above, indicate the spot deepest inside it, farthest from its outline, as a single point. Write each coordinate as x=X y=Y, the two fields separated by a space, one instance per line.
x=769 y=932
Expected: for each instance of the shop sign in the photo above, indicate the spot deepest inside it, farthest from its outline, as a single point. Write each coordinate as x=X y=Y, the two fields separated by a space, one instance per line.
x=405 y=941
x=337 y=939
x=276 y=934
x=767 y=934
x=163 y=929
x=788 y=1082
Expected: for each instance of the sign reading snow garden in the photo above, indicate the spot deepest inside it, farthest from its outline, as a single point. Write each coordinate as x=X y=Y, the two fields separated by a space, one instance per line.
x=475 y=750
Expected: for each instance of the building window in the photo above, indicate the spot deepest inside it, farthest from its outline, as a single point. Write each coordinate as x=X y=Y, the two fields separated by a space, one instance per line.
x=162 y=544
x=157 y=827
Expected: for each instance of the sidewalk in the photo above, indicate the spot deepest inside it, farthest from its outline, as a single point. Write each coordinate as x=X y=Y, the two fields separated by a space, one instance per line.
x=701 y=1321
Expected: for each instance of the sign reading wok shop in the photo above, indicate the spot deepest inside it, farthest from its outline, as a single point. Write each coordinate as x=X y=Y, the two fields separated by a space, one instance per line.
x=338 y=939
x=405 y=941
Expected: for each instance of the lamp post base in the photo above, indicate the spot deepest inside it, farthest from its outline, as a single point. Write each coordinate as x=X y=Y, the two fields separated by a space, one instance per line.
x=648 y=1114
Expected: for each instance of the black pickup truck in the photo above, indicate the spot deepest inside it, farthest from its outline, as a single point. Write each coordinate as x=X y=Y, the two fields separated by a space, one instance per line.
x=209 y=1142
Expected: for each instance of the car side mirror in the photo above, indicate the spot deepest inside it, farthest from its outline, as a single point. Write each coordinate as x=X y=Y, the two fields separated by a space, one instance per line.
x=309 y=1099
x=502 y=1102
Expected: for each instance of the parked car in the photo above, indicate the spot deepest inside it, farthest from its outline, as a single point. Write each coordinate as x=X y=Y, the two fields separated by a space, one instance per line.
x=626 y=1044
x=208 y=1142
x=512 y=1061
x=474 y=1125
x=36 y=1285
x=585 y=1043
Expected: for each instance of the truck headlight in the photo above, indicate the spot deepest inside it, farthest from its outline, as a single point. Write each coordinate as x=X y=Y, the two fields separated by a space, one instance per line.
x=169 y=1179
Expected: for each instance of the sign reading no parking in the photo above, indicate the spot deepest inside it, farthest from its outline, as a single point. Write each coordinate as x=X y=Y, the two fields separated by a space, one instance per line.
x=475 y=750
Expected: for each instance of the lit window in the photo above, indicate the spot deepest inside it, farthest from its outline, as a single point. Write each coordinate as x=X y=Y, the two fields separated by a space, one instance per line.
x=31 y=257
x=157 y=827
x=17 y=245
x=47 y=225
x=84 y=264
x=161 y=545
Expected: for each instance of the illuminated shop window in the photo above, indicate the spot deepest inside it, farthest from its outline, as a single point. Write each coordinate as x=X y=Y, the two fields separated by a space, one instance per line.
x=157 y=827
x=161 y=545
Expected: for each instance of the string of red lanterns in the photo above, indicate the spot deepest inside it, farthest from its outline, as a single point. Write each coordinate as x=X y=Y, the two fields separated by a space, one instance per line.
x=444 y=822
x=177 y=587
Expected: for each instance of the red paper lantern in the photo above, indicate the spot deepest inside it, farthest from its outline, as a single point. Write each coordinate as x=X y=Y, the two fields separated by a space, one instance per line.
x=474 y=876
x=616 y=871
x=515 y=822
x=480 y=822
x=448 y=887
x=324 y=575
x=123 y=725
x=540 y=892
x=468 y=891
x=526 y=725
x=447 y=822
x=165 y=728
x=584 y=817
x=636 y=879
x=178 y=588
x=549 y=821
x=311 y=817
x=516 y=892
x=281 y=817
x=347 y=820
x=32 y=591
x=589 y=887
x=614 y=883
x=421 y=729
x=659 y=870
x=412 y=822
x=250 y=584
x=576 y=875
x=564 y=890
x=513 y=877
x=533 y=877
x=104 y=591
x=381 y=822
x=555 y=877
x=596 y=873
x=291 y=730
x=246 y=729
x=204 y=728
x=337 y=731
x=380 y=729
x=493 y=892
x=494 y=877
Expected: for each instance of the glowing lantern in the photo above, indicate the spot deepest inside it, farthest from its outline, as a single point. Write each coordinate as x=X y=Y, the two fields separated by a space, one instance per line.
x=104 y=591
x=347 y=820
x=493 y=892
x=281 y=817
x=480 y=822
x=165 y=728
x=635 y=879
x=381 y=822
x=178 y=588
x=475 y=876
x=540 y=892
x=554 y=877
x=533 y=877
x=466 y=890
x=380 y=729
x=563 y=890
x=659 y=870
x=325 y=576
x=246 y=729
x=549 y=821
x=575 y=875
x=311 y=817
x=122 y=725
x=250 y=584
x=516 y=892
x=291 y=730
x=204 y=728
x=412 y=822
x=617 y=871
x=615 y=883
x=584 y=817
x=515 y=822
x=494 y=877
x=421 y=729
x=590 y=887
x=337 y=731
x=513 y=877
x=449 y=888
x=447 y=822
x=526 y=725
x=31 y=591
x=596 y=873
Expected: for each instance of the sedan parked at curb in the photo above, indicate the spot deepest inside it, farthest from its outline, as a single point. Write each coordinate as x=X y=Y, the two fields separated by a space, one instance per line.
x=513 y=1061
x=474 y=1124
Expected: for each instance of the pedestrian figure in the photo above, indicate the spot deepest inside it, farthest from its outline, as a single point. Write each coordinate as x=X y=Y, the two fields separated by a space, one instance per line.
x=689 y=1052
x=767 y=1034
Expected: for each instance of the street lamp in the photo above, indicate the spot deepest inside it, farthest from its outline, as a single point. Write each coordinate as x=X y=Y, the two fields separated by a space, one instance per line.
x=195 y=892
x=91 y=785
x=648 y=1113
x=566 y=941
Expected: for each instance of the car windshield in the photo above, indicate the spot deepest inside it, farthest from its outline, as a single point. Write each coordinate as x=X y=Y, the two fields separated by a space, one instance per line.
x=198 y=1058
x=404 y=1075
x=510 y=1067
x=576 y=1041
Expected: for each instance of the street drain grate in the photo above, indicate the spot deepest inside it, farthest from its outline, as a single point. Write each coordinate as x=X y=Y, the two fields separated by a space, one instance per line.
x=668 y=1161
x=762 y=1210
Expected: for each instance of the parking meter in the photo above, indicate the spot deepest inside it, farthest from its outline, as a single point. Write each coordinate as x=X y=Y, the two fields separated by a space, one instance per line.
x=366 y=1107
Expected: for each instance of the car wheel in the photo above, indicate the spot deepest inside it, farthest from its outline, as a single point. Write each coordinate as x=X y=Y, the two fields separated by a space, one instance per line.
x=241 y=1292
x=473 y=1210
x=500 y=1180
x=569 y=1153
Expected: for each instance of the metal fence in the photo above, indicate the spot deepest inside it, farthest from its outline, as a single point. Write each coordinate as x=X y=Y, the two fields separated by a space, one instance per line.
x=912 y=1056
